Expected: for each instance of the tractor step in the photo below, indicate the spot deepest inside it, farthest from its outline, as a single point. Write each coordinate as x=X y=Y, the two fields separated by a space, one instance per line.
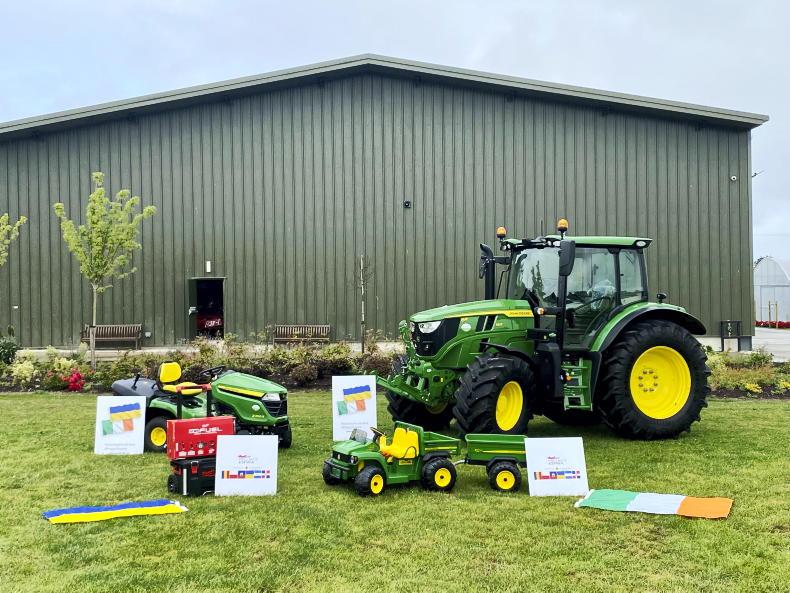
x=576 y=392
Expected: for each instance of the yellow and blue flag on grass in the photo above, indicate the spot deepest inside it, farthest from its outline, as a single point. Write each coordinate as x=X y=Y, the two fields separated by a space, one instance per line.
x=161 y=506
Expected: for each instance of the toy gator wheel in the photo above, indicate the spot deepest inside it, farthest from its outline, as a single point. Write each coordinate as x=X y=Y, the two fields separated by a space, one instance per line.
x=406 y=410
x=370 y=481
x=329 y=479
x=493 y=396
x=155 y=438
x=438 y=475
x=504 y=476
x=656 y=381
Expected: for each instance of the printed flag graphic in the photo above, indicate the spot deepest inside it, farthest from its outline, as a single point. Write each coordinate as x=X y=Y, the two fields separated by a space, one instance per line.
x=354 y=400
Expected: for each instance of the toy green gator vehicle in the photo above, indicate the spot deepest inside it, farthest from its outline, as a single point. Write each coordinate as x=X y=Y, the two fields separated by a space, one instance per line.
x=413 y=454
x=259 y=406
x=567 y=331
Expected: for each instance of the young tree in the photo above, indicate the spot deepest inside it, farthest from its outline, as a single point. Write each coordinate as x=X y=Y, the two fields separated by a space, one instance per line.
x=105 y=244
x=8 y=232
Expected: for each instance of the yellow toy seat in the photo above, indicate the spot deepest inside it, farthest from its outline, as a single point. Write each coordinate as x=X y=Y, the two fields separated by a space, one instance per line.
x=169 y=373
x=405 y=444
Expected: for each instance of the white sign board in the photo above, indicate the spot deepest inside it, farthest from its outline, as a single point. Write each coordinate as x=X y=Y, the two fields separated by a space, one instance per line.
x=556 y=467
x=120 y=424
x=246 y=465
x=353 y=404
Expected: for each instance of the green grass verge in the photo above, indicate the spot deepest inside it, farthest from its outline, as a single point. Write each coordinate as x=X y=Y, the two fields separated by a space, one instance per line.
x=311 y=537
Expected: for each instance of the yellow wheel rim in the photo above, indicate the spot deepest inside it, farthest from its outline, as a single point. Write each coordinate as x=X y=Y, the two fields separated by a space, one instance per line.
x=158 y=436
x=376 y=484
x=509 y=405
x=442 y=477
x=660 y=382
x=505 y=480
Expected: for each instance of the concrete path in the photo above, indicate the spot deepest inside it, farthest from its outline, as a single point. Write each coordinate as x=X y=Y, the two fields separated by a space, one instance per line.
x=775 y=341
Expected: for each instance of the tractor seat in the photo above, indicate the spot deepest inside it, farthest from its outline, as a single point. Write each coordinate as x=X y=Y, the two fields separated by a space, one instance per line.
x=169 y=373
x=405 y=444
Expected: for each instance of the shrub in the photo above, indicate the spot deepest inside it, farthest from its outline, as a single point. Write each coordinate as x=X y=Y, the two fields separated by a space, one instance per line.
x=23 y=370
x=8 y=350
x=303 y=374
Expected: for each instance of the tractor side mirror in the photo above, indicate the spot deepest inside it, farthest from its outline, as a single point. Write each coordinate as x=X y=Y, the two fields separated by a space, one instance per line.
x=567 y=257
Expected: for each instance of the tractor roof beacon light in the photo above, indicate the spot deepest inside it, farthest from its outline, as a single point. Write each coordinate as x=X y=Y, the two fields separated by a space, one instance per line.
x=562 y=227
x=501 y=233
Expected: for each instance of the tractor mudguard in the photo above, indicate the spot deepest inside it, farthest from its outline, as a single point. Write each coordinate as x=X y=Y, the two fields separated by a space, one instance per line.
x=509 y=351
x=645 y=311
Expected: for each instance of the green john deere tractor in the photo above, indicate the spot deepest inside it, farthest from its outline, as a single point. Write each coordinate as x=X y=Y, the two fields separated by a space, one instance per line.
x=566 y=330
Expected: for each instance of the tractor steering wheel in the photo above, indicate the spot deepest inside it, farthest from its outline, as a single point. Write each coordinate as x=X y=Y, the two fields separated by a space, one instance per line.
x=377 y=434
x=213 y=372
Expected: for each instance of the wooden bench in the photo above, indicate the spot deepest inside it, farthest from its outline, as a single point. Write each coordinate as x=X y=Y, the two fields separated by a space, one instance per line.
x=115 y=333
x=299 y=333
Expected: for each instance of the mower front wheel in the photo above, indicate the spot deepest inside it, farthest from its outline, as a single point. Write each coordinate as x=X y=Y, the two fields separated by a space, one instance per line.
x=155 y=438
x=370 y=481
x=439 y=475
x=286 y=438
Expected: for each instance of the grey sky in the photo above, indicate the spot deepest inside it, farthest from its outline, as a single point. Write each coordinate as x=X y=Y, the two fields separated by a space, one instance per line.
x=58 y=55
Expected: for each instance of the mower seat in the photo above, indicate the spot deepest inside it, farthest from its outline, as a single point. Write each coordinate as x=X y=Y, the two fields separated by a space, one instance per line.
x=405 y=444
x=169 y=373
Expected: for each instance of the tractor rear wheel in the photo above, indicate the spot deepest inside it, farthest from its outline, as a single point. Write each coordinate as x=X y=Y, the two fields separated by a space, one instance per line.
x=494 y=395
x=407 y=410
x=438 y=475
x=556 y=413
x=655 y=381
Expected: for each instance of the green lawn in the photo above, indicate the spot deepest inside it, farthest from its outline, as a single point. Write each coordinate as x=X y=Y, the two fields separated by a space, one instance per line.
x=311 y=537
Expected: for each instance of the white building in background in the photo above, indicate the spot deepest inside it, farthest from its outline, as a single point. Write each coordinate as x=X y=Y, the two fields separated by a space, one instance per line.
x=771 y=289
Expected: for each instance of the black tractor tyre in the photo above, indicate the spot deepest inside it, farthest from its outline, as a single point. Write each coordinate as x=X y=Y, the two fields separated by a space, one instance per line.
x=614 y=401
x=438 y=475
x=286 y=439
x=556 y=413
x=151 y=425
x=364 y=483
x=479 y=388
x=407 y=410
x=326 y=473
x=504 y=476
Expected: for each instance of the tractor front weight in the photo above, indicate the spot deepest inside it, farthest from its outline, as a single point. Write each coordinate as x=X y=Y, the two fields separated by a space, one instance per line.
x=421 y=381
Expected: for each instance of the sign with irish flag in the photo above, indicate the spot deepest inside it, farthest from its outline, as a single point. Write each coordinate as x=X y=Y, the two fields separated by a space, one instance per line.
x=353 y=404
x=120 y=421
x=658 y=504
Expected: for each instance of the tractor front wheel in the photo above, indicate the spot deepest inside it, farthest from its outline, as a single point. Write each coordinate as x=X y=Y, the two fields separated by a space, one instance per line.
x=413 y=412
x=655 y=381
x=438 y=475
x=370 y=481
x=494 y=395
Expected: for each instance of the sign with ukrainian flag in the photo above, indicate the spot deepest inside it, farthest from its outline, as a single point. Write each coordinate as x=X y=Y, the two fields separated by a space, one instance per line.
x=120 y=423
x=556 y=466
x=353 y=404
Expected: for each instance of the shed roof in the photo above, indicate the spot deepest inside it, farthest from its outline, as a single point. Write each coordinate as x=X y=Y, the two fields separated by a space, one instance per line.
x=382 y=65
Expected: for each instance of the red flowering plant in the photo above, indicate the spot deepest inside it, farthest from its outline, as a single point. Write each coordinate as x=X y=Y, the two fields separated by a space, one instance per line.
x=74 y=381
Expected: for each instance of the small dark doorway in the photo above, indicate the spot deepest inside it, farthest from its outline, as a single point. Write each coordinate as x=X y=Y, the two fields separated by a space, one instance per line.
x=206 y=307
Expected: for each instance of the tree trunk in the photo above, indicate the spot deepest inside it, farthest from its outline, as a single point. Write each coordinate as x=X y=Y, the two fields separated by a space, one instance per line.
x=93 y=329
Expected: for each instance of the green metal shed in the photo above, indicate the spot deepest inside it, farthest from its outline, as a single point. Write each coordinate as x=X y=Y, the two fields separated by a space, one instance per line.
x=276 y=184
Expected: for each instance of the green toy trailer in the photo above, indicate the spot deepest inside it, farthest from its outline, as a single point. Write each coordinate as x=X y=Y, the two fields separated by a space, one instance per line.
x=502 y=454
x=259 y=406
x=413 y=454
x=566 y=330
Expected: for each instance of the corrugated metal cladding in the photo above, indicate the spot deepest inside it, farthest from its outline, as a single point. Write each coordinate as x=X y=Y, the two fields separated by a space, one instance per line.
x=283 y=190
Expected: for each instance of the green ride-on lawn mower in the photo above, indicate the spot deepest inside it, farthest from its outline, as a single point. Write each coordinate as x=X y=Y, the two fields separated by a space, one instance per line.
x=413 y=454
x=567 y=331
x=259 y=406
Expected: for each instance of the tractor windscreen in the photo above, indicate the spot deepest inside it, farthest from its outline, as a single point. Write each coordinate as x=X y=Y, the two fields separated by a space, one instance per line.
x=533 y=277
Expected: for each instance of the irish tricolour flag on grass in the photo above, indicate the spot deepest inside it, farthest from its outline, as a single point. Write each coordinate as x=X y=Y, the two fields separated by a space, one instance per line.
x=660 y=504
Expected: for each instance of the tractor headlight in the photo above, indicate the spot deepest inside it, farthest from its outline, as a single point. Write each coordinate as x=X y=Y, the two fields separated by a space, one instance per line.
x=271 y=397
x=428 y=327
x=353 y=460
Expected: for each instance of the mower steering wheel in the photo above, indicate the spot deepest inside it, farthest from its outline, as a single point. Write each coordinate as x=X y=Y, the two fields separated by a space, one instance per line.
x=213 y=372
